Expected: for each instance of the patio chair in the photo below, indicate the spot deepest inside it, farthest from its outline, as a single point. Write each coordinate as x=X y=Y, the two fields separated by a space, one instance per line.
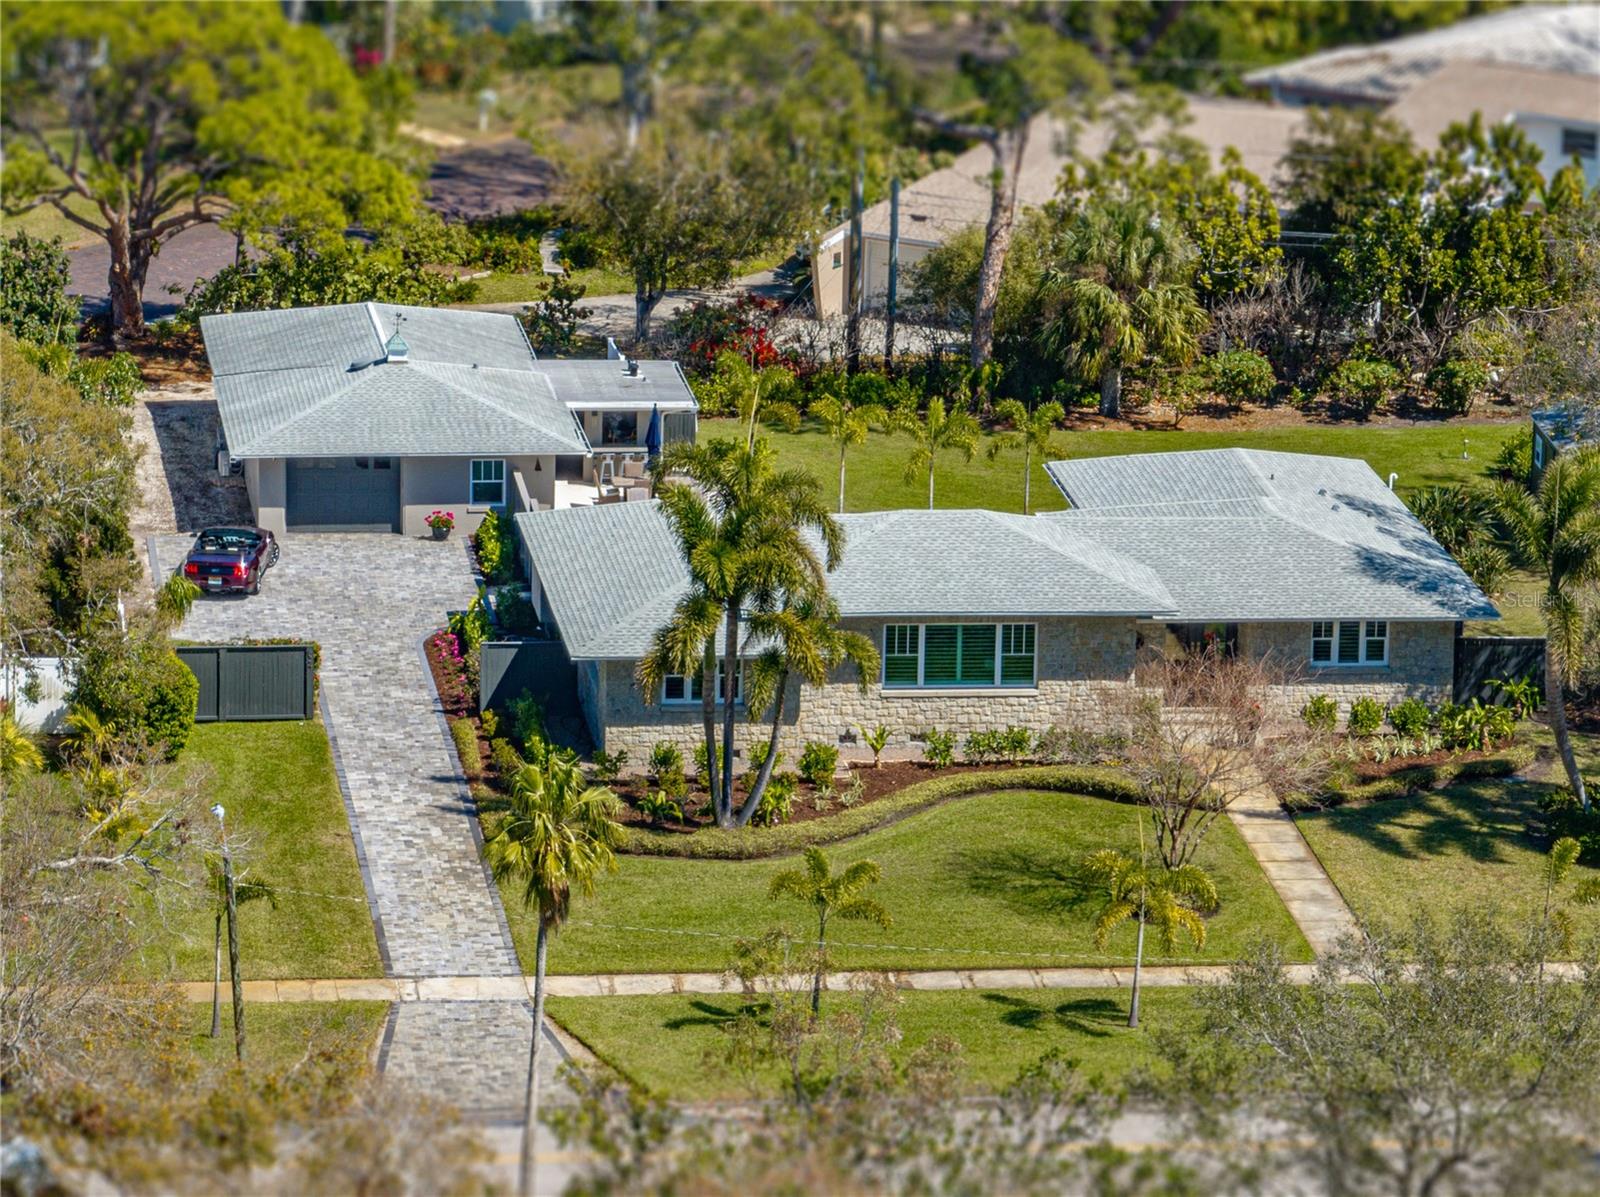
x=638 y=494
x=634 y=469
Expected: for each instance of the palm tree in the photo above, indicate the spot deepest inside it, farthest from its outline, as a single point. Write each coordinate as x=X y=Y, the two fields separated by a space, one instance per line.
x=935 y=432
x=1554 y=530
x=1030 y=432
x=805 y=640
x=846 y=423
x=1120 y=292
x=558 y=835
x=1171 y=900
x=243 y=891
x=831 y=897
x=745 y=529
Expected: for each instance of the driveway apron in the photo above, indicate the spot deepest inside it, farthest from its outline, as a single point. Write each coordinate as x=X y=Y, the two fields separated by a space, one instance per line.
x=369 y=601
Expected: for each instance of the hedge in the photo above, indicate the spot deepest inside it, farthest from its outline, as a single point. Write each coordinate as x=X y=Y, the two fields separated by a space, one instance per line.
x=752 y=843
x=1402 y=783
x=465 y=734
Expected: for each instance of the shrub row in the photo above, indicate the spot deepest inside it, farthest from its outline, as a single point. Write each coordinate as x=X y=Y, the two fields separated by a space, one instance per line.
x=752 y=843
x=1402 y=783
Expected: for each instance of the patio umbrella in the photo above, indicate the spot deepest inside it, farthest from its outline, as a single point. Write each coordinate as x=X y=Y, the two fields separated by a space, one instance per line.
x=652 y=435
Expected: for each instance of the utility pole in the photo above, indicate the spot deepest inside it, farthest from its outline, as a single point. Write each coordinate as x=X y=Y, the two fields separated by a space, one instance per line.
x=233 y=937
x=855 y=280
x=390 y=15
x=894 y=273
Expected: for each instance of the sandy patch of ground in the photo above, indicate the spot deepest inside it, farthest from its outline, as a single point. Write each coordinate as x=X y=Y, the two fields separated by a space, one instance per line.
x=179 y=488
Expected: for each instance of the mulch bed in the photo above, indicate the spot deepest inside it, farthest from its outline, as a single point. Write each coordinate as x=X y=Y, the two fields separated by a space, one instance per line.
x=1376 y=770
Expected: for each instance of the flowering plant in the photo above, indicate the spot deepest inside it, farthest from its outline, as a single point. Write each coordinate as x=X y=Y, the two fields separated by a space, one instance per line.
x=442 y=519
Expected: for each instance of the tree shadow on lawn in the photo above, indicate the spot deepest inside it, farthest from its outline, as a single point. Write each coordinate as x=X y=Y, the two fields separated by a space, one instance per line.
x=1475 y=819
x=715 y=1014
x=1027 y=881
x=1095 y=1017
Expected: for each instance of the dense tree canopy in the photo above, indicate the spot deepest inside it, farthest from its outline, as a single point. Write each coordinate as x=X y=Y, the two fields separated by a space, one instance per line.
x=137 y=121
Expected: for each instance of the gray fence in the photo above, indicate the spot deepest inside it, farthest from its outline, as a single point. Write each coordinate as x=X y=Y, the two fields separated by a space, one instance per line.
x=507 y=668
x=253 y=682
x=1481 y=660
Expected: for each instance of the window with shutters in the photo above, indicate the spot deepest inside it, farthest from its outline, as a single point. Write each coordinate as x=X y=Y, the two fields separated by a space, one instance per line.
x=1350 y=642
x=958 y=655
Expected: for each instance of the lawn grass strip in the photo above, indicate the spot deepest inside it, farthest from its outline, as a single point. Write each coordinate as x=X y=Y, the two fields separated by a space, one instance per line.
x=757 y=843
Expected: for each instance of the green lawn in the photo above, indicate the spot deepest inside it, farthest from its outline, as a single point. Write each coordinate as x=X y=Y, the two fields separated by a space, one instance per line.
x=671 y=1044
x=276 y=1033
x=980 y=881
x=287 y=825
x=1468 y=844
x=502 y=287
x=1423 y=455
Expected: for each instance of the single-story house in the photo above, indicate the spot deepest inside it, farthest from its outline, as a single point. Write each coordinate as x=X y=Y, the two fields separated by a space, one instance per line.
x=956 y=197
x=367 y=417
x=986 y=619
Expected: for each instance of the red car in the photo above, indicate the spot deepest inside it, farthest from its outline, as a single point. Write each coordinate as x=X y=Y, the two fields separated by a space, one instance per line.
x=231 y=560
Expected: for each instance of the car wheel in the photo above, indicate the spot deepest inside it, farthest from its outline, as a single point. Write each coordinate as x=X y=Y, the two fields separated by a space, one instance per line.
x=272 y=557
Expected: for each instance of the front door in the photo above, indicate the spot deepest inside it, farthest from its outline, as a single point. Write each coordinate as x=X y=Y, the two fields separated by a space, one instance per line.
x=1198 y=638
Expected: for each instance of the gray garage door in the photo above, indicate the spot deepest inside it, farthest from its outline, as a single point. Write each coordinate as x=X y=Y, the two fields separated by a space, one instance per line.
x=343 y=494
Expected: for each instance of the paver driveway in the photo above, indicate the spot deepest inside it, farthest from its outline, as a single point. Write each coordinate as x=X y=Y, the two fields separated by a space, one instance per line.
x=369 y=600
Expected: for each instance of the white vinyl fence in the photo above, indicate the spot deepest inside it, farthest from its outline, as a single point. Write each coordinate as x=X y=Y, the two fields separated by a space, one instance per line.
x=46 y=710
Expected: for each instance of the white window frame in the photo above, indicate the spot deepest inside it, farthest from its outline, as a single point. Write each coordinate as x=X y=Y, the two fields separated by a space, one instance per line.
x=1000 y=634
x=473 y=482
x=1367 y=631
x=686 y=686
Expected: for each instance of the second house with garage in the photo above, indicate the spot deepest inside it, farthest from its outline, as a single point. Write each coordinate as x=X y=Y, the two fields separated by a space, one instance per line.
x=368 y=417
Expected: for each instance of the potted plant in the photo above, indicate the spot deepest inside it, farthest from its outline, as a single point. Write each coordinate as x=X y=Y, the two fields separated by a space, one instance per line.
x=441 y=522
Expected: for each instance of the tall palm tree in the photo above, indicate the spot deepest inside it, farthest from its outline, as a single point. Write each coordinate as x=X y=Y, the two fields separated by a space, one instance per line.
x=1031 y=432
x=749 y=533
x=1170 y=900
x=846 y=423
x=937 y=431
x=805 y=641
x=831 y=897
x=558 y=835
x=1119 y=291
x=1555 y=531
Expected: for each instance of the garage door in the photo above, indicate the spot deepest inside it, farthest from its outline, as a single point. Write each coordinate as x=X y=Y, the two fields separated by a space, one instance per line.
x=343 y=494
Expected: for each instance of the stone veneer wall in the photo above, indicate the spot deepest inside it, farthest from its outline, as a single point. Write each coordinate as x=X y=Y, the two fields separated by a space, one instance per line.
x=1077 y=659
x=1422 y=664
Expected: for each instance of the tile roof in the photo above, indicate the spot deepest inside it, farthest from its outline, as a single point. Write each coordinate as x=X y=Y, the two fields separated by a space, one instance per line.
x=313 y=382
x=1240 y=534
x=1547 y=37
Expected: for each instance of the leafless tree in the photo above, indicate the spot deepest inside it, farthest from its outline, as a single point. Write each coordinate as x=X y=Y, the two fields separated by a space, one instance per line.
x=1205 y=729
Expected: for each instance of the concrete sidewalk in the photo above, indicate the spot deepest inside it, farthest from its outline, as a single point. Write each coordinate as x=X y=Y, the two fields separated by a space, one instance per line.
x=1293 y=869
x=501 y=989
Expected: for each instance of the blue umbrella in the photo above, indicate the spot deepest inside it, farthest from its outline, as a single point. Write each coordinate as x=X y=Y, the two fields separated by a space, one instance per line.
x=652 y=436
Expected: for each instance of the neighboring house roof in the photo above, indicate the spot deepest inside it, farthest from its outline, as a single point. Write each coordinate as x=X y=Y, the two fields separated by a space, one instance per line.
x=315 y=382
x=1567 y=425
x=596 y=384
x=612 y=574
x=1546 y=37
x=1500 y=93
x=1246 y=535
x=957 y=196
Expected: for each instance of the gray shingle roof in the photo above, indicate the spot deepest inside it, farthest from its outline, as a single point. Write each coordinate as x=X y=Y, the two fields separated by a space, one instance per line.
x=1239 y=534
x=612 y=574
x=312 y=382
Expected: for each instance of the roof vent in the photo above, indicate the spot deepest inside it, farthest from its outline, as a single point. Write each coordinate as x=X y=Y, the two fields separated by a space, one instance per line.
x=395 y=348
x=632 y=369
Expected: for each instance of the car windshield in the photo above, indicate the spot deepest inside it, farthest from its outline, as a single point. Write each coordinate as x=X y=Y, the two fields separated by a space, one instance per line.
x=227 y=540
